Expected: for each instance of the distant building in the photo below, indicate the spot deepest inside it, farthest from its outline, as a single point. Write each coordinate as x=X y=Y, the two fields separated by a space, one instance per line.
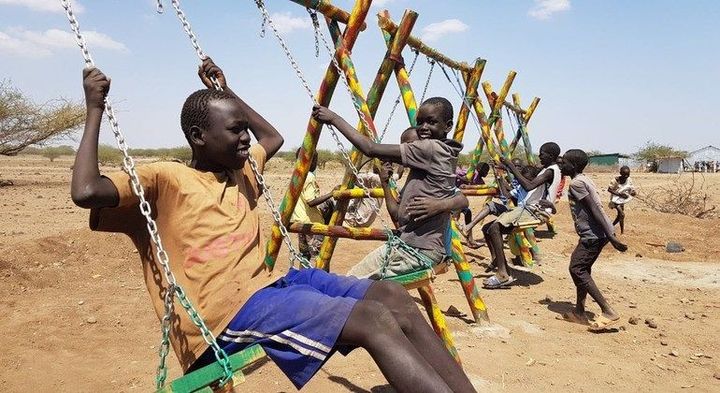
x=613 y=159
x=707 y=154
x=670 y=165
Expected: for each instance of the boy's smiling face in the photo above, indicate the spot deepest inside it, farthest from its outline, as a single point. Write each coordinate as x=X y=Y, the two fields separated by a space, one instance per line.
x=226 y=140
x=430 y=122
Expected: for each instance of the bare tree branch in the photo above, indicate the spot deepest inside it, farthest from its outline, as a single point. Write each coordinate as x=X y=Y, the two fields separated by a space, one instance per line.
x=24 y=123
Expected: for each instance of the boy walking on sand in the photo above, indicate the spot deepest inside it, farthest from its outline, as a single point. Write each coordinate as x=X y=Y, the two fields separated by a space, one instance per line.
x=595 y=231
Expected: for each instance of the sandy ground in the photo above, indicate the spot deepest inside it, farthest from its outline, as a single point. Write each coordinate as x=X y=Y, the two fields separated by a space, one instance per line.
x=76 y=316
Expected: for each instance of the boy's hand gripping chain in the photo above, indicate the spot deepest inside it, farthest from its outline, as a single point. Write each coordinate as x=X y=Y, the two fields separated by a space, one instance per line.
x=173 y=289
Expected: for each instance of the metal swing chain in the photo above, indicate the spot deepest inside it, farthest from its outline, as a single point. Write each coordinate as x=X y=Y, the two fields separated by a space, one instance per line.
x=398 y=99
x=298 y=72
x=295 y=255
x=316 y=26
x=467 y=102
x=427 y=81
x=393 y=241
x=146 y=210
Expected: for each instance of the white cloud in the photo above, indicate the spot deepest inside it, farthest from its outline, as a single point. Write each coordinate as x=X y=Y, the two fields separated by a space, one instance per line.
x=13 y=46
x=286 y=23
x=544 y=9
x=381 y=3
x=29 y=43
x=43 y=5
x=435 y=31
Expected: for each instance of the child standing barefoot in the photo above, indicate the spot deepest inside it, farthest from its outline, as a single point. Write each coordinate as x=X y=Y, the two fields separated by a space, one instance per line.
x=595 y=231
x=621 y=190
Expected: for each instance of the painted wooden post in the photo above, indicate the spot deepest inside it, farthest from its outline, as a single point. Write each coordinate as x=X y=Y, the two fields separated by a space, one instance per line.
x=308 y=147
x=338 y=231
x=471 y=95
x=329 y=243
x=523 y=242
x=387 y=24
x=465 y=275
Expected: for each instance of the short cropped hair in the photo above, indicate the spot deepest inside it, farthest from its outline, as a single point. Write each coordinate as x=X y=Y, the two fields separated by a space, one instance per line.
x=577 y=158
x=445 y=106
x=410 y=133
x=195 y=110
x=551 y=148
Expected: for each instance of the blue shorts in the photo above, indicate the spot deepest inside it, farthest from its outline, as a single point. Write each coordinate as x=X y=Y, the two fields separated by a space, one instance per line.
x=297 y=320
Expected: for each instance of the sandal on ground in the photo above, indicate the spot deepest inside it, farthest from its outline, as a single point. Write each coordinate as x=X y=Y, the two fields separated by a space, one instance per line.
x=572 y=317
x=494 y=282
x=602 y=323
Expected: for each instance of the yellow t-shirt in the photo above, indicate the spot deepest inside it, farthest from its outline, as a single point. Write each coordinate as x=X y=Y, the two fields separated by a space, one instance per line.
x=209 y=226
x=303 y=212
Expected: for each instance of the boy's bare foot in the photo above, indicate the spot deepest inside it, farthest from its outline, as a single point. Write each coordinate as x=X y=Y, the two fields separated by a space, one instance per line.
x=573 y=317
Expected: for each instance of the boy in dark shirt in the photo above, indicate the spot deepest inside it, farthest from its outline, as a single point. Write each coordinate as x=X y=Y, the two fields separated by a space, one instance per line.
x=595 y=231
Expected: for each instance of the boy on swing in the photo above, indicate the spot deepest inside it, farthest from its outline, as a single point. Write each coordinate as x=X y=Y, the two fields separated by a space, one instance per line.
x=542 y=191
x=208 y=216
x=429 y=194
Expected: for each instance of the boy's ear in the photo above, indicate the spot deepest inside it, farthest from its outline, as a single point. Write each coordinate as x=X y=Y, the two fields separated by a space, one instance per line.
x=449 y=124
x=196 y=136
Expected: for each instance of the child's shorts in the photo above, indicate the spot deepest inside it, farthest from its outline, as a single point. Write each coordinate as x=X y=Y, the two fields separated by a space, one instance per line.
x=496 y=208
x=297 y=320
x=398 y=262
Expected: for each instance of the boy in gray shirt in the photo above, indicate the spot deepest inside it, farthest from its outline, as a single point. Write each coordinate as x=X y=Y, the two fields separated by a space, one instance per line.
x=595 y=231
x=429 y=193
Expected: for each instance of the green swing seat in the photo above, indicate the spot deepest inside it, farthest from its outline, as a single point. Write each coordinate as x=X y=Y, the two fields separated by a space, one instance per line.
x=201 y=380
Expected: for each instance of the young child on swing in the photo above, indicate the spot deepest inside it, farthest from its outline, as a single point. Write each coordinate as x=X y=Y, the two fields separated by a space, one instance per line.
x=430 y=187
x=481 y=171
x=513 y=191
x=595 y=231
x=208 y=216
x=542 y=191
x=621 y=192
x=311 y=207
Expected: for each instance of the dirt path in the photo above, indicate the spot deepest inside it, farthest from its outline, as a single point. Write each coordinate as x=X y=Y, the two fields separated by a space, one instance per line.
x=76 y=315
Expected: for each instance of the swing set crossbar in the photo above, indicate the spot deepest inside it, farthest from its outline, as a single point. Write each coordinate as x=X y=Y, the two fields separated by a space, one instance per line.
x=387 y=24
x=328 y=10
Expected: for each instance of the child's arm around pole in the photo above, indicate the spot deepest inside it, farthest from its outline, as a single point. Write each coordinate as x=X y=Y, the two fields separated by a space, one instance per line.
x=88 y=188
x=423 y=208
x=391 y=203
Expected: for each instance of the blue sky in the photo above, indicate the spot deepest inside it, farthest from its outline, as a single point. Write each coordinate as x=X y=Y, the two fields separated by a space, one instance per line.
x=611 y=74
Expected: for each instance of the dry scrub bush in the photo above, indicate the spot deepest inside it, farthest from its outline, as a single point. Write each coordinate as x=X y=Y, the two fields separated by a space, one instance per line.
x=682 y=196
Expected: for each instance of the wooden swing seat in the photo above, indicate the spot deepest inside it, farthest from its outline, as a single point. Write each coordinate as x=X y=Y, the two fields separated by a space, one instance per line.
x=200 y=381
